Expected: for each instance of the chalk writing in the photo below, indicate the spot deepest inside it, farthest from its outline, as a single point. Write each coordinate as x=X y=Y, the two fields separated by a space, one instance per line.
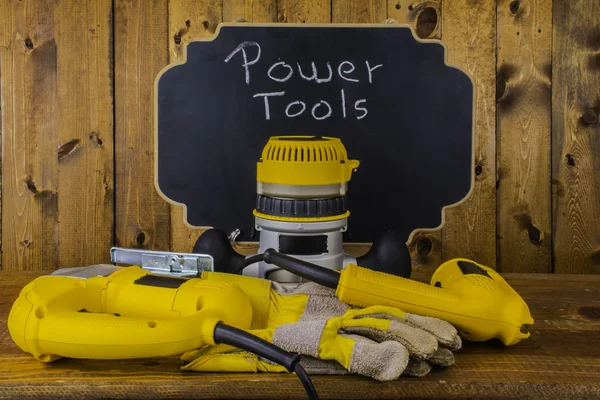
x=282 y=71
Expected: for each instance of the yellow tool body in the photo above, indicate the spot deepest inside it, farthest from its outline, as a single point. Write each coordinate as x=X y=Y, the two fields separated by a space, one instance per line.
x=129 y=313
x=472 y=297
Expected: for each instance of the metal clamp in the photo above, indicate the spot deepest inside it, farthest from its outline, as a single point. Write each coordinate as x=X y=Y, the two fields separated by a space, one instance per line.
x=164 y=262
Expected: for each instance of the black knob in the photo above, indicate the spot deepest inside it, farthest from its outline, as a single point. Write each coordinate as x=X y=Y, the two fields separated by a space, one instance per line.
x=389 y=254
x=216 y=243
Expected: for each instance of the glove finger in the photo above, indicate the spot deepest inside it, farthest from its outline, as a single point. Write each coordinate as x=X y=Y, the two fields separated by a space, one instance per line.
x=443 y=357
x=320 y=339
x=444 y=332
x=417 y=368
x=381 y=361
x=419 y=343
x=315 y=366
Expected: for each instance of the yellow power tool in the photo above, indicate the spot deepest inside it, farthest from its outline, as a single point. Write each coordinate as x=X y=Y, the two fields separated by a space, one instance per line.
x=472 y=297
x=107 y=312
x=128 y=313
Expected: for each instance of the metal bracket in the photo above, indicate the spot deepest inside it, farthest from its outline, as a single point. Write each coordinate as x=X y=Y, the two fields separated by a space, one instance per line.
x=164 y=262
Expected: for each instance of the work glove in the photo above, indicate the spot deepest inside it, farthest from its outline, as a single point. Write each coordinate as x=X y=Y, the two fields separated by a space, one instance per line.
x=333 y=338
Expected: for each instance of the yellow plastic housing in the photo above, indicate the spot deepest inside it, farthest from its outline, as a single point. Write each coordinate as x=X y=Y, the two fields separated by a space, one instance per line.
x=304 y=161
x=114 y=317
x=481 y=307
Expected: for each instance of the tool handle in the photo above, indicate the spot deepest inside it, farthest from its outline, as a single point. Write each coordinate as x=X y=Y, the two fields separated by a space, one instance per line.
x=129 y=314
x=478 y=302
x=304 y=269
x=364 y=287
x=109 y=336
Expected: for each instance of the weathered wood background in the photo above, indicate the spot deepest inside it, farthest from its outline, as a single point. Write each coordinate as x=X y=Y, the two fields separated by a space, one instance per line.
x=77 y=79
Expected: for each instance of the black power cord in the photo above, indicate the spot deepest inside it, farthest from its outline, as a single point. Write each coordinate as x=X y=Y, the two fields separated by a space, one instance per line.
x=249 y=261
x=313 y=272
x=246 y=341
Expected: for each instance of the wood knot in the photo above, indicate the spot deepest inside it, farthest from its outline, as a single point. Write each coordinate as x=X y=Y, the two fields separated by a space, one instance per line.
x=29 y=43
x=205 y=24
x=95 y=138
x=478 y=169
x=590 y=312
x=26 y=243
x=140 y=239
x=514 y=7
x=590 y=117
x=68 y=148
x=177 y=38
x=524 y=221
x=424 y=247
x=570 y=160
x=31 y=185
x=427 y=22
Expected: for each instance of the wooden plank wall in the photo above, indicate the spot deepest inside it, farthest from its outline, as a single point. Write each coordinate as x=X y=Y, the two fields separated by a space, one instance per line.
x=76 y=87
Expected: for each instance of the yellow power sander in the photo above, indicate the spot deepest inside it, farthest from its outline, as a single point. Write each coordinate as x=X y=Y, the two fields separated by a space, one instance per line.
x=301 y=210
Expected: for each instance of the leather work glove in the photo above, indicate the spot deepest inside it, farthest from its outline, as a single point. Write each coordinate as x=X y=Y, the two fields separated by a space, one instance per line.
x=334 y=338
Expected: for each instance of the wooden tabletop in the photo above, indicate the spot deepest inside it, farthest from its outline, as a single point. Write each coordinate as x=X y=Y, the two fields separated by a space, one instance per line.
x=561 y=359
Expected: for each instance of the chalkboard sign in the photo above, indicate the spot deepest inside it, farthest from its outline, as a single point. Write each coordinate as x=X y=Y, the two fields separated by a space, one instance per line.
x=391 y=99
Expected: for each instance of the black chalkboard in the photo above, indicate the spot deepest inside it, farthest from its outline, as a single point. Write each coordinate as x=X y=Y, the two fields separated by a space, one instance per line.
x=395 y=104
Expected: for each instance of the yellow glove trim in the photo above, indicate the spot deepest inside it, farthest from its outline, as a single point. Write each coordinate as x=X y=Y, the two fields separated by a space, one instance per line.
x=285 y=309
x=333 y=346
x=239 y=361
x=376 y=310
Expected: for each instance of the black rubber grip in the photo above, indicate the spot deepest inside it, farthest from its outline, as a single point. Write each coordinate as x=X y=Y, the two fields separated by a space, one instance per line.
x=316 y=273
x=246 y=341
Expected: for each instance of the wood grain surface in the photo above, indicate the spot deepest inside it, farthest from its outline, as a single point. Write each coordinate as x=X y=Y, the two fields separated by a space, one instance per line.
x=250 y=11
x=57 y=102
x=560 y=360
x=29 y=138
x=469 y=32
x=142 y=216
x=523 y=132
x=358 y=12
x=305 y=11
x=85 y=80
x=576 y=136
